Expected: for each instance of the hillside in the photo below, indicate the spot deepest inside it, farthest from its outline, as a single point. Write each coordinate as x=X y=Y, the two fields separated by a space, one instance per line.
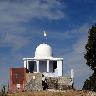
x=55 y=93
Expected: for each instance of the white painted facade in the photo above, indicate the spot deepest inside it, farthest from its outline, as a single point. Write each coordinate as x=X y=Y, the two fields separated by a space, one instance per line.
x=44 y=62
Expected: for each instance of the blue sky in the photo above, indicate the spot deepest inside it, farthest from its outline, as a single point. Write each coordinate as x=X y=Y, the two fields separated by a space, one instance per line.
x=67 y=23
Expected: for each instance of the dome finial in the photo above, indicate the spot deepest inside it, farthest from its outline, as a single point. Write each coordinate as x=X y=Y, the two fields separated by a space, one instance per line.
x=45 y=34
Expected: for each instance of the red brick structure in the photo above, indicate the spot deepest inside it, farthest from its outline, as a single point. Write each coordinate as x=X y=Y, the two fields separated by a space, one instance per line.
x=17 y=79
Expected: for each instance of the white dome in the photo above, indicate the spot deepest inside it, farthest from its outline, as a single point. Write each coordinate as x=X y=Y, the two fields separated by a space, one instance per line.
x=43 y=50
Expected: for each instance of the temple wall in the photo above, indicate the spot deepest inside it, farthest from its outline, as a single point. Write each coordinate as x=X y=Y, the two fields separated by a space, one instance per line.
x=33 y=82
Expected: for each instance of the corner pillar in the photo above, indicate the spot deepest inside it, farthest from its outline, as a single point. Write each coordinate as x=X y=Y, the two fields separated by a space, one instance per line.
x=37 y=64
x=27 y=65
x=47 y=65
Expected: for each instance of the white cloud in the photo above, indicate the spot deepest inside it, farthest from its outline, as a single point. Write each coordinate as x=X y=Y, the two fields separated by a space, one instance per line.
x=73 y=33
x=79 y=47
x=15 y=41
x=12 y=12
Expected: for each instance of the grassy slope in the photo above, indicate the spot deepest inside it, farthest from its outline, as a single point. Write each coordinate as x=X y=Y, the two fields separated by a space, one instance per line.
x=48 y=93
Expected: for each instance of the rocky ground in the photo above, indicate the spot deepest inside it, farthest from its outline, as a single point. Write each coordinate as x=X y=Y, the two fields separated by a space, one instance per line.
x=54 y=93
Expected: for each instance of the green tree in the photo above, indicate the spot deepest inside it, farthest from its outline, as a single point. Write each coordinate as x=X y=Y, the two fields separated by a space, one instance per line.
x=90 y=57
x=90 y=84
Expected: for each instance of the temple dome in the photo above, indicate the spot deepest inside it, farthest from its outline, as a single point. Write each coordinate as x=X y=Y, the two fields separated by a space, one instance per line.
x=43 y=50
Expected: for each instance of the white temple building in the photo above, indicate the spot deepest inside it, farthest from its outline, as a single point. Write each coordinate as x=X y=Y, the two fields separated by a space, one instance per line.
x=44 y=62
x=43 y=71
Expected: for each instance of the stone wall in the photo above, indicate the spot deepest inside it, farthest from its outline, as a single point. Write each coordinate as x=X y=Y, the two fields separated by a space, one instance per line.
x=60 y=83
x=33 y=82
x=52 y=82
x=65 y=83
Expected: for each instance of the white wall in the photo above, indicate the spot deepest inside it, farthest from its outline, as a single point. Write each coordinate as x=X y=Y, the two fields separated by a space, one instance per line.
x=60 y=67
